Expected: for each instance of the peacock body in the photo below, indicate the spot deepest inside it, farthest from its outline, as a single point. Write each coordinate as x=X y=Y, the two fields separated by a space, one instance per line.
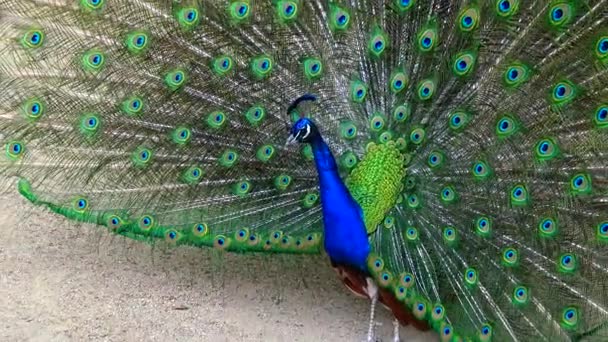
x=450 y=157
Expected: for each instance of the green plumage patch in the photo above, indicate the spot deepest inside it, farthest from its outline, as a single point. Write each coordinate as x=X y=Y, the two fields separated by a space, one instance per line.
x=33 y=109
x=137 y=41
x=417 y=135
x=580 y=184
x=147 y=228
x=348 y=160
x=377 y=122
x=175 y=79
x=548 y=227
x=142 y=157
x=468 y=19
x=92 y=5
x=399 y=81
x=287 y=10
x=403 y=6
x=521 y=296
x=242 y=188
x=93 y=60
x=239 y=11
x=265 y=152
x=516 y=74
x=567 y=263
x=560 y=13
x=435 y=159
x=313 y=68
x=306 y=152
x=464 y=63
x=519 y=196
x=427 y=38
x=426 y=89
x=90 y=124
x=255 y=115
x=401 y=113
x=481 y=170
x=358 y=91
x=600 y=116
x=222 y=65
x=458 y=120
x=602 y=232
x=310 y=199
x=506 y=8
x=33 y=38
x=192 y=175
x=216 y=119
x=181 y=135
x=261 y=66
x=483 y=226
x=228 y=158
x=282 y=182
x=132 y=105
x=376 y=182
x=601 y=48
x=546 y=149
x=188 y=17
x=339 y=17
x=506 y=126
x=14 y=150
x=563 y=93
x=377 y=42
x=570 y=318
x=348 y=130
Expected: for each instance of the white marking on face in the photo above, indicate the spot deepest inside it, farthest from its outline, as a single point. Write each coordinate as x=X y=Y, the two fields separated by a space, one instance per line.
x=307 y=132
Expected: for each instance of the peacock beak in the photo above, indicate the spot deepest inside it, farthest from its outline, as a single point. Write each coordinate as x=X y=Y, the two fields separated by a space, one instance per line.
x=290 y=140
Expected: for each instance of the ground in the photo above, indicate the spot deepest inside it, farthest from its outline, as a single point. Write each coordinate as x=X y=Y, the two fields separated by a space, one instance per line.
x=61 y=281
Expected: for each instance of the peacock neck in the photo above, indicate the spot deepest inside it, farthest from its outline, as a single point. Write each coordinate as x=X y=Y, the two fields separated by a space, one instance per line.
x=345 y=235
x=324 y=159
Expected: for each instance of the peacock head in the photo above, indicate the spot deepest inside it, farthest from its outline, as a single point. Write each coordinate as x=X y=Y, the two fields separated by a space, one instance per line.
x=303 y=131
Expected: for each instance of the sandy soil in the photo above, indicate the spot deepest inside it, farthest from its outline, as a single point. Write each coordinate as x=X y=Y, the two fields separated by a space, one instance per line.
x=61 y=281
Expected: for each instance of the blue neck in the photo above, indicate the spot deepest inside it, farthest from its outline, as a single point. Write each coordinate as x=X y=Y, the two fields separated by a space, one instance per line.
x=345 y=234
x=324 y=159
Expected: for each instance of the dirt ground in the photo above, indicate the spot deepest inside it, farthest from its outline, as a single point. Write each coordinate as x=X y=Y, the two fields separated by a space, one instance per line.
x=61 y=281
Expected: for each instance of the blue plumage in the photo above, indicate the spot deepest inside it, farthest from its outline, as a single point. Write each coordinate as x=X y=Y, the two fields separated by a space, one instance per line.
x=345 y=235
x=344 y=229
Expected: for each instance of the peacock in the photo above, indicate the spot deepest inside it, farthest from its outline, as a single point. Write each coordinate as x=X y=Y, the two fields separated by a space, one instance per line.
x=449 y=157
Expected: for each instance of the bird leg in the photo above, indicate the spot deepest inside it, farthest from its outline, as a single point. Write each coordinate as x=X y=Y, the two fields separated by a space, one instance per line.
x=396 y=325
x=372 y=291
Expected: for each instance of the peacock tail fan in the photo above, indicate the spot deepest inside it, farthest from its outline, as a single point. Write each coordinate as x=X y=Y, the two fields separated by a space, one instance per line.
x=473 y=134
